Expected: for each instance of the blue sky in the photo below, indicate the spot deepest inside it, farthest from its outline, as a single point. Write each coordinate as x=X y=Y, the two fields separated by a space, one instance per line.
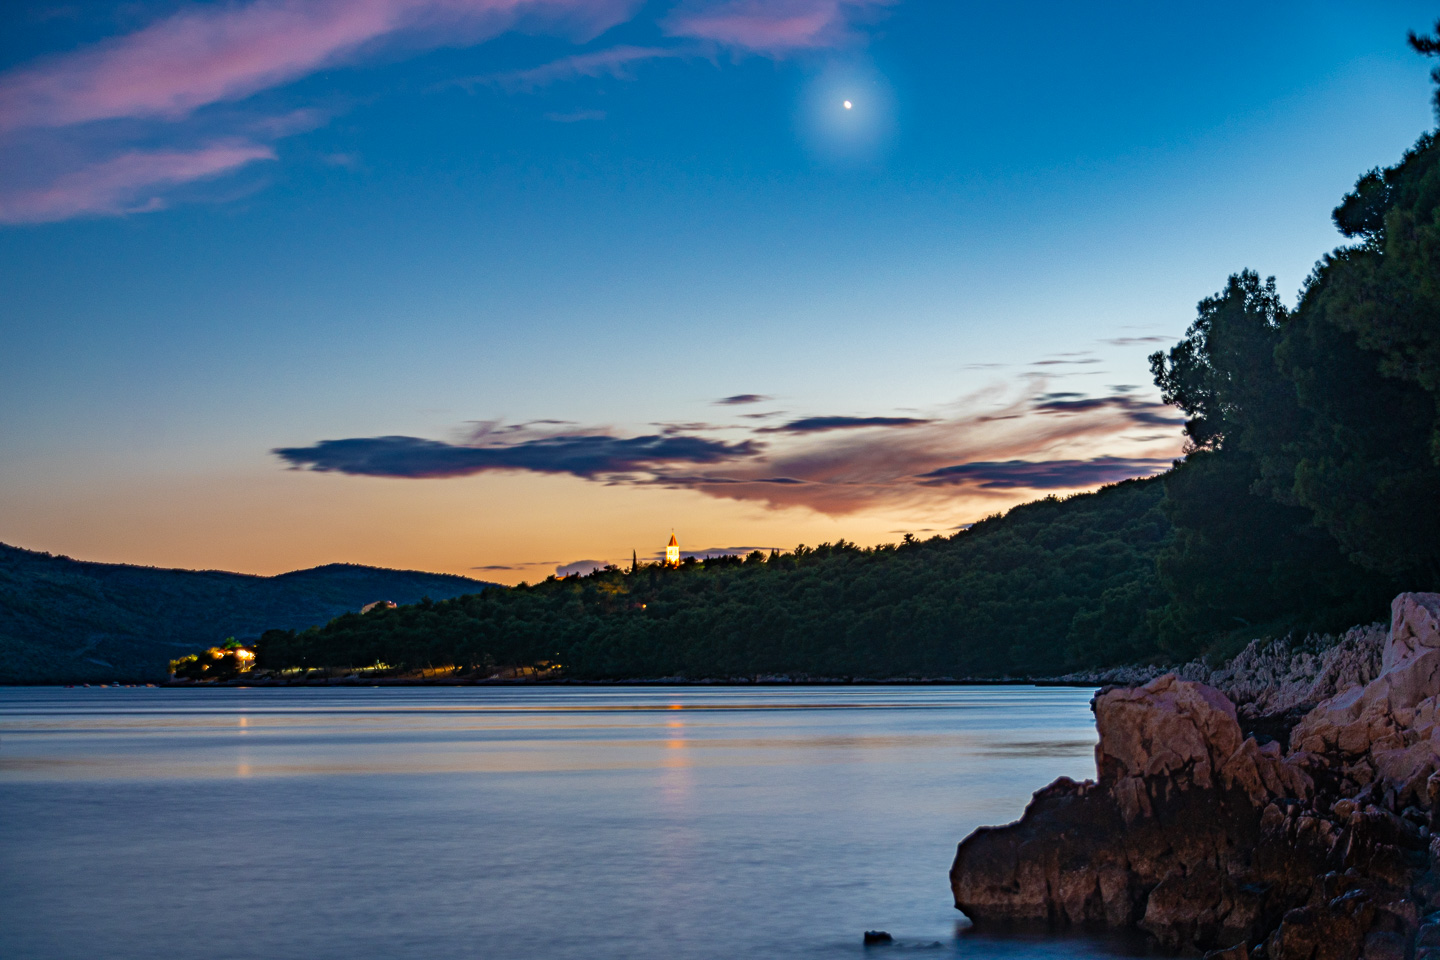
x=540 y=240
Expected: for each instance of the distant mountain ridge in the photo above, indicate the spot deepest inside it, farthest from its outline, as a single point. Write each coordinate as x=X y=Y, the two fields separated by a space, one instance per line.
x=65 y=620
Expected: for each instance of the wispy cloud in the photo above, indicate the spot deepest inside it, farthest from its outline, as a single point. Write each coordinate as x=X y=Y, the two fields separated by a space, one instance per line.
x=1046 y=474
x=1130 y=407
x=612 y=62
x=211 y=53
x=774 y=27
x=742 y=398
x=581 y=567
x=184 y=88
x=1135 y=341
x=82 y=126
x=575 y=116
x=519 y=565
x=708 y=553
x=822 y=424
x=131 y=182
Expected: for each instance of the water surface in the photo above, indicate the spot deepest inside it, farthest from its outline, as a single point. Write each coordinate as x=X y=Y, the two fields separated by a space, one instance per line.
x=544 y=823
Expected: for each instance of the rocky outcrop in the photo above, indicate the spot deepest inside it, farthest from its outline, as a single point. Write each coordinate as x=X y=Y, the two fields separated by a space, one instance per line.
x=1273 y=676
x=1269 y=677
x=1209 y=839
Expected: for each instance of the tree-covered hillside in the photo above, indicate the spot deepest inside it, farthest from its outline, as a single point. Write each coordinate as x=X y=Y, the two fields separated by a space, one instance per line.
x=1052 y=584
x=64 y=620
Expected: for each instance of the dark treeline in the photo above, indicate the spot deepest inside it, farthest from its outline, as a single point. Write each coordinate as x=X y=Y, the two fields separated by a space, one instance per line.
x=1047 y=585
x=1309 y=495
x=1312 y=490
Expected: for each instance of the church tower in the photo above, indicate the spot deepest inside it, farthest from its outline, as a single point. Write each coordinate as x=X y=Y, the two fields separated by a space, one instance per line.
x=672 y=552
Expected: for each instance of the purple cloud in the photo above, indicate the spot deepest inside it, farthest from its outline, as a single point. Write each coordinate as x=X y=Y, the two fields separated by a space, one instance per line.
x=978 y=451
x=116 y=126
x=127 y=183
x=1137 y=411
x=575 y=116
x=742 y=398
x=774 y=27
x=581 y=567
x=225 y=52
x=58 y=114
x=821 y=424
x=709 y=553
x=587 y=456
x=612 y=62
x=1135 y=341
x=1046 y=474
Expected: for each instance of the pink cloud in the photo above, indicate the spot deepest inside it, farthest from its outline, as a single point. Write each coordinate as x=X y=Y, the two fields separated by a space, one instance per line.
x=773 y=27
x=126 y=183
x=228 y=52
x=612 y=62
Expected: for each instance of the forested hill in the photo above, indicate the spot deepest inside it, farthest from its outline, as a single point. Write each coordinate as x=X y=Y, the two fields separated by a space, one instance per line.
x=1051 y=584
x=68 y=620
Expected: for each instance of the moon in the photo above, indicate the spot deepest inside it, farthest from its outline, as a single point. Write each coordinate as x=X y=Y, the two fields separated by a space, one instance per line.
x=848 y=105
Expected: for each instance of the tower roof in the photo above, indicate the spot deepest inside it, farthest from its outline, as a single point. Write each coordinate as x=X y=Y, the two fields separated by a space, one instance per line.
x=673 y=542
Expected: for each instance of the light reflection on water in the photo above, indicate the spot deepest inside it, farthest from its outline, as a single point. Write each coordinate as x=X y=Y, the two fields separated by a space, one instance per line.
x=512 y=822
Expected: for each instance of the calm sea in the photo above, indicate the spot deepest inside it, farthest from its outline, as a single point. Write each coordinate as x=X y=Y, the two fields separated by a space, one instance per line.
x=537 y=823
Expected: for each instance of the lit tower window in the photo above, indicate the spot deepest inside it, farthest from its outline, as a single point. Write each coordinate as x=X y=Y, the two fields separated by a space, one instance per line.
x=672 y=552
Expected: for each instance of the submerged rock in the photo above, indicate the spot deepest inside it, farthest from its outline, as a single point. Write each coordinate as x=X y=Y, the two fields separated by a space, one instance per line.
x=1205 y=838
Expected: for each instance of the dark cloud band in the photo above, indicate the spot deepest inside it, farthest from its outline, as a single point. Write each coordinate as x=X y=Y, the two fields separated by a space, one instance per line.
x=1046 y=474
x=821 y=424
x=1137 y=411
x=582 y=456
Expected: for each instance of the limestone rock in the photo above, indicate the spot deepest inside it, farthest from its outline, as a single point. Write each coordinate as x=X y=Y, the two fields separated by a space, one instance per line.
x=1271 y=676
x=1207 y=839
x=1167 y=840
x=1264 y=773
x=1169 y=728
x=1414 y=627
x=1380 y=718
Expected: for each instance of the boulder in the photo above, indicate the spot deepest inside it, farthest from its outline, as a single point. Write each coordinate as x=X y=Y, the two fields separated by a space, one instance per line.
x=1386 y=730
x=1168 y=839
x=1414 y=627
x=1170 y=733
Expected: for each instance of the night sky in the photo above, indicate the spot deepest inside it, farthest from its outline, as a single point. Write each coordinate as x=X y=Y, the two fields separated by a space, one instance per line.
x=495 y=287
